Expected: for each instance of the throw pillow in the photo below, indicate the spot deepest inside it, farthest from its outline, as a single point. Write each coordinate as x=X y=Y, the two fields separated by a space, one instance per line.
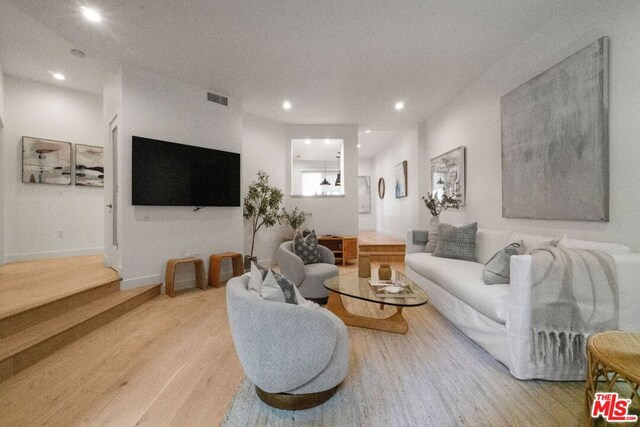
x=278 y=288
x=258 y=275
x=307 y=247
x=432 y=236
x=497 y=269
x=457 y=242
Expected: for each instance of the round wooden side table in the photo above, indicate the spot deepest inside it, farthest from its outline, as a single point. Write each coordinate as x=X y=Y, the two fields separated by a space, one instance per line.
x=614 y=366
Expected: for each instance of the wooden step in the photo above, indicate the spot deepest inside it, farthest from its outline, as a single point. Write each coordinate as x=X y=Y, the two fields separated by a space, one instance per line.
x=10 y=324
x=385 y=256
x=400 y=248
x=24 y=348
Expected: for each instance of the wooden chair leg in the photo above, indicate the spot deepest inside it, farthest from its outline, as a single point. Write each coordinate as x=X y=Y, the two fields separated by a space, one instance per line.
x=199 y=266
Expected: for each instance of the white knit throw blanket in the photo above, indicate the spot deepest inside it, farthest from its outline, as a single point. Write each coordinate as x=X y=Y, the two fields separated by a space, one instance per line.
x=575 y=294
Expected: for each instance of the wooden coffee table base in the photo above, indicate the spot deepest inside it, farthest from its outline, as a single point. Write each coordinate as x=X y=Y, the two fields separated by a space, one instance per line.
x=395 y=323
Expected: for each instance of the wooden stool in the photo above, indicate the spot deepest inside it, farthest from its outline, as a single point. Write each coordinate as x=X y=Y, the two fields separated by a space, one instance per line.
x=614 y=362
x=214 y=266
x=171 y=273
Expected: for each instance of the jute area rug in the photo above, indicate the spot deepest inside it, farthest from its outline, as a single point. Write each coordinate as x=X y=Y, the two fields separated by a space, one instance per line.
x=432 y=376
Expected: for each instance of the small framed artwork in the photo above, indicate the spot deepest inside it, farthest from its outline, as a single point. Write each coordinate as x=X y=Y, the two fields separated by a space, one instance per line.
x=364 y=194
x=89 y=165
x=45 y=161
x=381 y=188
x=401 y=180
x=448 y=174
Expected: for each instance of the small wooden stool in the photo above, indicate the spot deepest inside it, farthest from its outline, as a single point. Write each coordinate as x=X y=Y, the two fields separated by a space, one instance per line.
x=171 y=273
x=214 y=266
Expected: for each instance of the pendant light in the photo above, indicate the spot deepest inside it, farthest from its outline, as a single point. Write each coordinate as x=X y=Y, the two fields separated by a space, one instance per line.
x=440 y=181
x=324 y=181
x=337 y=184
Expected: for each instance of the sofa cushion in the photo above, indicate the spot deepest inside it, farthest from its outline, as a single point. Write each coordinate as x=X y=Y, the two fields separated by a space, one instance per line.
x=488 y=242
x=457 y=242
x=610 y=248
x=463 y=279
x=306 y=247
x=497 y=270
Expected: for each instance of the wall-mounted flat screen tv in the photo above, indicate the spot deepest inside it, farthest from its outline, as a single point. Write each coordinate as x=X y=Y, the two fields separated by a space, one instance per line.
x=169 y=174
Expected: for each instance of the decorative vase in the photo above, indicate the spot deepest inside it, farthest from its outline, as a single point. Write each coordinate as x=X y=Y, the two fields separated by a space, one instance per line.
x=384 y=272
x=432 y=238
x=364 y=266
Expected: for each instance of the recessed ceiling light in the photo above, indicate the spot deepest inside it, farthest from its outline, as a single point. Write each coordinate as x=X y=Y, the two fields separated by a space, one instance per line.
x=358 y=145
x=286 y=105
x=91 y=14
x=58 y=76
x=327 y=141
x=307 y=141
x=399 y=105
x=367 y=131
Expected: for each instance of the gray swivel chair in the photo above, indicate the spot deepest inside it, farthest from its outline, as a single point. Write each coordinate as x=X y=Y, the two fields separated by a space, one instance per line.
x=309 y=278
x=295 y=356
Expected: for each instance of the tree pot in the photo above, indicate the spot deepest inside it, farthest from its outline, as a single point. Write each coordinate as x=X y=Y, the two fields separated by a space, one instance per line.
x=247 y=262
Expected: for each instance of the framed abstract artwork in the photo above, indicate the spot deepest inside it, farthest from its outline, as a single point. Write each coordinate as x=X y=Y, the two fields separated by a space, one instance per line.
x=401 y=180
x=364 y=194
x=89 y=165
x=555 y=141
x=45 y=161
x=448 y=174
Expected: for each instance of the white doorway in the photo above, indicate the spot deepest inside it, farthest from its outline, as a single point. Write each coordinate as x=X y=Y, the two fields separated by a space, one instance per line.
x=111 y=257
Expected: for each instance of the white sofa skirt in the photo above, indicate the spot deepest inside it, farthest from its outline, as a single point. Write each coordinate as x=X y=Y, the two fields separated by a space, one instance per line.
x=489 y=334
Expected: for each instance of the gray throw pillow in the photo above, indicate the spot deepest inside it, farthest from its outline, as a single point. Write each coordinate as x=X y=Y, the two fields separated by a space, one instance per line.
x=278 y=288
x=307 y=247
x=457 y=242
x=497 y=269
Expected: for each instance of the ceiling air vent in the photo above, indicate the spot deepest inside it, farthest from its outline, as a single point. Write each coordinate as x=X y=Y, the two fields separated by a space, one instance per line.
x=218 y=99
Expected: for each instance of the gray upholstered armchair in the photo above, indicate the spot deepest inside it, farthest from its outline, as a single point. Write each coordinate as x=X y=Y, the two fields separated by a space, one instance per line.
x=295 y=356
x=309 y=278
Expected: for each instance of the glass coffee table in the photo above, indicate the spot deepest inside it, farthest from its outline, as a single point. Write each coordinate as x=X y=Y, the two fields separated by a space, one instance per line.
x=350 y=285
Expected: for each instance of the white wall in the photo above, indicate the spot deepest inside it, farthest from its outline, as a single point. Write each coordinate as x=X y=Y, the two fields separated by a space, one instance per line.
x=367 y=221
x=35 y=214
x=335 y=214
x=263 y=148
x=169 y=110
x=473 y=119
x=395 y=216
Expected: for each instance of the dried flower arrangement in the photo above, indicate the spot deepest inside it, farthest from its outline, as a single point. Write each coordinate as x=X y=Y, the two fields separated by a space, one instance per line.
x=436 y=205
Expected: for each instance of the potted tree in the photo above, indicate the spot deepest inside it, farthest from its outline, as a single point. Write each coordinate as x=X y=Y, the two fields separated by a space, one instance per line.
x=261 y=206
x=293 y=219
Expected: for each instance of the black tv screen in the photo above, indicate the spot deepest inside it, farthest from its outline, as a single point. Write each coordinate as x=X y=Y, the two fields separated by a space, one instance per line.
x=169 y=174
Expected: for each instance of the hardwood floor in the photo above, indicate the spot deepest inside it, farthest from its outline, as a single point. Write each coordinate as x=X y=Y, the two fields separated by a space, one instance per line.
x=375 y=238
x=172 y=362
x=168 y=362
x=28 y=284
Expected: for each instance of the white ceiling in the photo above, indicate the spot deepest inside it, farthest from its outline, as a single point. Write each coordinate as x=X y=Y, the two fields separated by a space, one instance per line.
x=316 y=149
x=337 y=61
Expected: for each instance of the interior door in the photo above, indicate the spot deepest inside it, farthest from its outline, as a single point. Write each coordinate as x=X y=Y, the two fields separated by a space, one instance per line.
x=111 y=258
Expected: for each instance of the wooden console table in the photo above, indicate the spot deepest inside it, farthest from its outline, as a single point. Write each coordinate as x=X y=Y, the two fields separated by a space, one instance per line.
x=170 y=275
x=343 y=248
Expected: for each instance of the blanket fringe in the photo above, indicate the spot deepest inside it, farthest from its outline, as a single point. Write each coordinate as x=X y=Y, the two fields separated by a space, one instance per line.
x=559 y=348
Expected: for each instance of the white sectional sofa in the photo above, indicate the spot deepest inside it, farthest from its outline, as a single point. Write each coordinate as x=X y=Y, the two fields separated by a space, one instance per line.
x=498 y=317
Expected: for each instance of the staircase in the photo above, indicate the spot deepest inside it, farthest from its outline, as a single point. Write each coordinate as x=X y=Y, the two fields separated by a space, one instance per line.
x=47 y=315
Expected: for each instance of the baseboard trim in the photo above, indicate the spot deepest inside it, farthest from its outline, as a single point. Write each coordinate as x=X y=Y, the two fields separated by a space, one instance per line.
x=53 y=254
